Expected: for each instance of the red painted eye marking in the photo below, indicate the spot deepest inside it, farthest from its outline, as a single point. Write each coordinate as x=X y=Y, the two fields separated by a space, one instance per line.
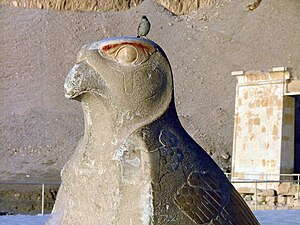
x=107 y=47
x=146 y=48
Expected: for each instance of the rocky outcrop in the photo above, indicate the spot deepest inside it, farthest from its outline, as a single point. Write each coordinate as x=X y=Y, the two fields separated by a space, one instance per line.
x=89 y=5
x=176 y=6
x=184 y=7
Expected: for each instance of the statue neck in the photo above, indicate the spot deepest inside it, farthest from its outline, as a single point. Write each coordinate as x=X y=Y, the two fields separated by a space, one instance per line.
x=97 y=120
x=104 y=121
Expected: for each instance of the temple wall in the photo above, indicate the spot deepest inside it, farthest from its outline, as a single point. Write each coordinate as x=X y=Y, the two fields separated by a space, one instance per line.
x=263 y=145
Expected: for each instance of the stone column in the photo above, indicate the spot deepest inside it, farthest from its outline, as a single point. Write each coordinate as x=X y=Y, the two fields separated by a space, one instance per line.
x=264 y=125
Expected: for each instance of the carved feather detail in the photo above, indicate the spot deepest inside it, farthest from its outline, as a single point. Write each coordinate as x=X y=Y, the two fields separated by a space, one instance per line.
x=205 y=201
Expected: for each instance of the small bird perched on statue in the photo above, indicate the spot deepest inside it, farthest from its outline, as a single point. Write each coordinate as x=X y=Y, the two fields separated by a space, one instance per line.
x=144 y=27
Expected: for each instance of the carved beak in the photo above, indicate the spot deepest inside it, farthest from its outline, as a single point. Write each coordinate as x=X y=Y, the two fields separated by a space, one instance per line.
x=81 y=79
x=73 y=82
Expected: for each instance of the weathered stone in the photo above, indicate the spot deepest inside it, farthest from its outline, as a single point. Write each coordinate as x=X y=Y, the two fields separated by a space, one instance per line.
x=183 y=7
x=245 y=190
x=176 y=6
x=268 y=192
x=248 y=198
x=271 y=200
x=284 y=187
x=261 y=199
x=296 y=204
x=287 y=188
x=88 y=5
x=135 y=163
x=269 y=207
x=290 y=200
x=248 y=190
x=282 y=200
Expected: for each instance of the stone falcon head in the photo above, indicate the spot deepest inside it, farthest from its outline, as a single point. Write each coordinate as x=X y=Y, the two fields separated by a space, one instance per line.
x=126 y=73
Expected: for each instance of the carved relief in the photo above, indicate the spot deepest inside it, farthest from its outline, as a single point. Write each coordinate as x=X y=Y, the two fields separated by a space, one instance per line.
x=201 y=198
x=170 y=154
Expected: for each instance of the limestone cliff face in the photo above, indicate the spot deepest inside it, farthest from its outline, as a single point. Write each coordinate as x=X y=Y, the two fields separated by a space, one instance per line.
x=176 y=6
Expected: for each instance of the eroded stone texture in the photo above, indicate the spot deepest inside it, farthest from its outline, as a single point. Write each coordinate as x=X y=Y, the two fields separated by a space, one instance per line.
x=135 y=163
x=87 y=5
x=176 y=6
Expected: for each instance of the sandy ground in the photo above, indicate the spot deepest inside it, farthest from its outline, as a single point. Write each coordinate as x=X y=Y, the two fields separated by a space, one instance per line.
x=39 y=128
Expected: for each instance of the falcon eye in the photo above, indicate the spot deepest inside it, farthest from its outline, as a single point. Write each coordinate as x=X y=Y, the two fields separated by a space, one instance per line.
x=127 y=53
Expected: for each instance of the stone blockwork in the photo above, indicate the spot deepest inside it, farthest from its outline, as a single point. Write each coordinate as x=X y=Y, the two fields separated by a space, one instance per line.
x=176 y=6
x=286 y=196
x=264 y=125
